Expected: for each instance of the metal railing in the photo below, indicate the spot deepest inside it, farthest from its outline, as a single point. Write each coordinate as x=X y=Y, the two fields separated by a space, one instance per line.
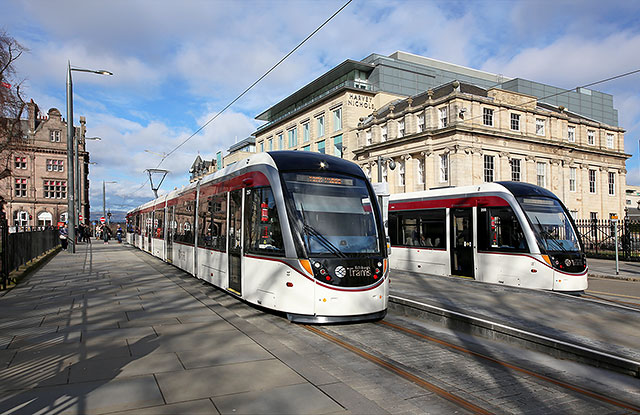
x=21 y=246
x=599 y=236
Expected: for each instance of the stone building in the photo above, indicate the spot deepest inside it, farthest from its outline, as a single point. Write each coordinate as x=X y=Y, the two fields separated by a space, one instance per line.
x=36 y=190
x=446 y=125
x=201 y=168
x=460 y=134
x=240 y=150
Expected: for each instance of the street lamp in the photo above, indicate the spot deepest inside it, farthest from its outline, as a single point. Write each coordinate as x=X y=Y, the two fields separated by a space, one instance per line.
x=104 y=201
x=71 y=210
x=382 y=159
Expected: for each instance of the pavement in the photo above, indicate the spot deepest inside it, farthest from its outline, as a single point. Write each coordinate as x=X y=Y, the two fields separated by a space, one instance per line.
x=606 y=268
x=111 y=329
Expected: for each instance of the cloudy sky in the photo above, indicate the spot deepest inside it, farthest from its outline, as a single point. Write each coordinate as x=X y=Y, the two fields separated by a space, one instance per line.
x=177 y=64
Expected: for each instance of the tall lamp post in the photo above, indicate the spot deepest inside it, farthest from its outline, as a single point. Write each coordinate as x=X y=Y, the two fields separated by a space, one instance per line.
x=104 y=199
x=71 y=169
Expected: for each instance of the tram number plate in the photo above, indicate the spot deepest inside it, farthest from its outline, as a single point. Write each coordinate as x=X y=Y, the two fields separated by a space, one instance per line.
x=359 y=272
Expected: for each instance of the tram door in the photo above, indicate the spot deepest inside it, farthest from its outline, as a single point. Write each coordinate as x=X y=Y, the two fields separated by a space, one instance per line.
x=235 y=241
x=461 y=242
x=170 y=227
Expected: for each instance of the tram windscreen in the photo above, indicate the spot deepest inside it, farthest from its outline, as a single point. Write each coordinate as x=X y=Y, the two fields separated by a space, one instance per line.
x=550 y=223
x=336 y=213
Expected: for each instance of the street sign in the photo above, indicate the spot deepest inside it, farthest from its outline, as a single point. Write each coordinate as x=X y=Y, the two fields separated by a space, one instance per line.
x=80 y=218
x=102 y=220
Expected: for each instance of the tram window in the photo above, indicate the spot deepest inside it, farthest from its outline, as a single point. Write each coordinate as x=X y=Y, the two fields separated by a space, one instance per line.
x=420 y=228
x=432 y=228
x=158 y=224
x=185 y=217
x=500 y=230
x=212 y=223
x=263 y=234
x=138 y=224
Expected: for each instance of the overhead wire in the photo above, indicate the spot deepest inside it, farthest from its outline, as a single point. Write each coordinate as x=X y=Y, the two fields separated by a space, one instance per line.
x=167 y=155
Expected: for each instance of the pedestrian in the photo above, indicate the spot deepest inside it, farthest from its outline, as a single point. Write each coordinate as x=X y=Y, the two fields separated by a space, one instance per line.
x=106 y=233
x=64 y=233
x=119 y=233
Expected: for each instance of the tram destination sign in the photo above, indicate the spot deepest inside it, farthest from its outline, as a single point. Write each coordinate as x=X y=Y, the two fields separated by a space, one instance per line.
x=324 y=180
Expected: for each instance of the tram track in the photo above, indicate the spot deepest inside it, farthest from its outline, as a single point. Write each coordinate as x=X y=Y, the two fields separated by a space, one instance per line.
x=601 y=296
x=460 y=396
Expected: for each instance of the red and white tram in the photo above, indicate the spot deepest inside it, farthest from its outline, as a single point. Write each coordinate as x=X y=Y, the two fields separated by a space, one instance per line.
x=291 y=231
x=508 y=233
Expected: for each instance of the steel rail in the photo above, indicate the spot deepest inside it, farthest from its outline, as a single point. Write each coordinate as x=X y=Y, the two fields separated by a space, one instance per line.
x=403 y=373
x=578 y=389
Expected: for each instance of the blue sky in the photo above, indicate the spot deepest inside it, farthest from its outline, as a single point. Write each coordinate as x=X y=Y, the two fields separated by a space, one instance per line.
x=176 y=64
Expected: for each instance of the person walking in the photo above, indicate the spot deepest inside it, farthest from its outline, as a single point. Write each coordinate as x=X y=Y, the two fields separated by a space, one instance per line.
x=106 y=233
x=64 y=234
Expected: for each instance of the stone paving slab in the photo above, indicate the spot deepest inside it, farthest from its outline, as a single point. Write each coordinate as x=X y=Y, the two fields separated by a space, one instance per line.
x=102 y=331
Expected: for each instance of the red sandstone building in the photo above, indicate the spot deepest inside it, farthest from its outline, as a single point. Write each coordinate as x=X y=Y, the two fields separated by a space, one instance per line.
x=35 y=191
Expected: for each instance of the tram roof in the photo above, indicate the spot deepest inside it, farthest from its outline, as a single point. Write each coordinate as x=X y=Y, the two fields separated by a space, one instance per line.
x=516 y=188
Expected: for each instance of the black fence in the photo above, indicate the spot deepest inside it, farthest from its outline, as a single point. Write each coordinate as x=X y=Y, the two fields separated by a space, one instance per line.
x=599 y=236
x=21 y=246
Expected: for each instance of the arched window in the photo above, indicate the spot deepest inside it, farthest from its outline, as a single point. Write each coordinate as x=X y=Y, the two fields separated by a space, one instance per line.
x=45 y=219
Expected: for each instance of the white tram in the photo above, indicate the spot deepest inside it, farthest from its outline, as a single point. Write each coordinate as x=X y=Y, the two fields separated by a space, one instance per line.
x=289 y=231
x=508 y=233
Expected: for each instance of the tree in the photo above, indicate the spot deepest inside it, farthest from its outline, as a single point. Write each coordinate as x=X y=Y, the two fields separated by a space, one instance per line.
x=12 y=105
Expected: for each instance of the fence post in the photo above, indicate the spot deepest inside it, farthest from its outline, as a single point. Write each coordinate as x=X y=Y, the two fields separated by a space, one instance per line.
x=4 y=234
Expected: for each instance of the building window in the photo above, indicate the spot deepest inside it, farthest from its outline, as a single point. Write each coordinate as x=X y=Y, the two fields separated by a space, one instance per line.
x=383 y=133
x=487 y=117
x=305 y=132
x=21 y=188
x=515 y=170
x=367 y=171
x=54 y=135
x=488 y=168
x=270 y=144
x=55 y=189
x=321 y=147
x=21 y=162
x=541 y=174
x=367 y=135
x=571 y=134
x=281 y=141
x=592 y=181
x=572 y=178
x=401 y=173
x=612 y=183
x=442 y=119
x=609 y=140
x=515 y=122
x=21 y=219
x=574 y=214
x=539 y=126
x=337 y=119
x=593 y=216
x=261 y=146
x=421 y=123
x=337 y=146
x=444 y=168
x=384 y=172
x=293 y=137
x=420 y=171
x=320 y=121
x=400 y=128
x=591 y=137
x=306 y=148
